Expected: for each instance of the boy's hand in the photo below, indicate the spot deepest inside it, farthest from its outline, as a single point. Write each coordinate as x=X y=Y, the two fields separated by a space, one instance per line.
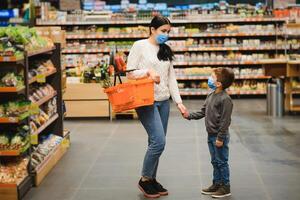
x=186 y=114
x=219 y=143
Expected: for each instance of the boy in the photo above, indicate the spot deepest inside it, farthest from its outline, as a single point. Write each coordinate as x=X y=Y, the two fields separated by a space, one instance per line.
x=217 y=111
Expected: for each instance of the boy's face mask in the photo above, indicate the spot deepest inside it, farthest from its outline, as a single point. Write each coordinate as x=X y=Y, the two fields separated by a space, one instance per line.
x=211 y=83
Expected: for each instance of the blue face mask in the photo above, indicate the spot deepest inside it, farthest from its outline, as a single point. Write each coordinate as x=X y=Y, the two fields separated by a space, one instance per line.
x=161 y=38
x=211 y=83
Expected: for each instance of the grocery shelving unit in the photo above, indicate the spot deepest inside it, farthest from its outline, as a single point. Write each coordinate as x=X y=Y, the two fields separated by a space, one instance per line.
x=292 y=71
x=82 y=36
x=53 y=125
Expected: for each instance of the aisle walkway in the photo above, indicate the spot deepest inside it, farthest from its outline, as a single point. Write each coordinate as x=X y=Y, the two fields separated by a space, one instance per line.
x=105 y=158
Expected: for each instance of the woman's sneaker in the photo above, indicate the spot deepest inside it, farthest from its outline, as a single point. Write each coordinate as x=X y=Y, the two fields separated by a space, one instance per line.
x=159 y=188
x=148 y=189
x=211 y=189
x=223 y=191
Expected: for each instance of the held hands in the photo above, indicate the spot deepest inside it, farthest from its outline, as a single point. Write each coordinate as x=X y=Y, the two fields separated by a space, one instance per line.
x=154 y=76
x=183 y=110
x=219 y=143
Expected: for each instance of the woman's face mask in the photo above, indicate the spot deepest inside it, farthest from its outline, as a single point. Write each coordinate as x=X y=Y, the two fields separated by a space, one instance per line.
x=161 y=33
x=161 y=38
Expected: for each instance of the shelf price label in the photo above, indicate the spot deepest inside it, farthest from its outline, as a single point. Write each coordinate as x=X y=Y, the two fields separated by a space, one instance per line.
x=35 y=109
x=41 y=78
x=34 y=139
x=65 y=143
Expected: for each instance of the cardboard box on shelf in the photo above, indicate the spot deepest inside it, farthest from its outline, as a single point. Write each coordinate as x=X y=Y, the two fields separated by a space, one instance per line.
x=54 y=33
x=69 y=5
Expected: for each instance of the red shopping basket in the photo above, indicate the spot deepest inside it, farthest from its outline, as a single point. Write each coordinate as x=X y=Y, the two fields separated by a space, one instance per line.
x=130 y=95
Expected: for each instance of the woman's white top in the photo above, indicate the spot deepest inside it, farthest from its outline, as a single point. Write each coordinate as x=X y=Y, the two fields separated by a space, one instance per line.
x=142 y=57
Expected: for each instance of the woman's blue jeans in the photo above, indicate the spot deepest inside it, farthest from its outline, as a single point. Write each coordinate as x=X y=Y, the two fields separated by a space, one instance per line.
x=155 y=120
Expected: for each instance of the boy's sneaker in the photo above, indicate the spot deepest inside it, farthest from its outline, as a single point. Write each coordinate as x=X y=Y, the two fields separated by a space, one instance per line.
x=159 y=188
x=223 y=191
x=211 y=189
x=148 y=189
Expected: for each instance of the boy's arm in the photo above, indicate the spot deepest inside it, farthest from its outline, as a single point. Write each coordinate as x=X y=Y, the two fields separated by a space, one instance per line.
x=198 y=114
x=225 y=119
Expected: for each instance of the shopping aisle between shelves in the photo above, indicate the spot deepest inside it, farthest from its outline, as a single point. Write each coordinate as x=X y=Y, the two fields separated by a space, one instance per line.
x=105 y=158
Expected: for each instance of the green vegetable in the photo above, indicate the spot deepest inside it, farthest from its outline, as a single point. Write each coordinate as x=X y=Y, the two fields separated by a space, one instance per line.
x=4 y=140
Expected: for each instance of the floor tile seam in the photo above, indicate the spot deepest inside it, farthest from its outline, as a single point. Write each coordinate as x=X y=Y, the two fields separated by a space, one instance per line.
x=197 y=137
x=98 y=155
x=256 y=170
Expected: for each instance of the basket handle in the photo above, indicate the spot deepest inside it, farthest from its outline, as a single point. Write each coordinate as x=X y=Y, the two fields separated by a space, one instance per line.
x=117 y=74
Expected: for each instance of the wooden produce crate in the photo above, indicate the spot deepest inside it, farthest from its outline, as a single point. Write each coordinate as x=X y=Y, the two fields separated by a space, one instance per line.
x=50 y=161
x=86 y=100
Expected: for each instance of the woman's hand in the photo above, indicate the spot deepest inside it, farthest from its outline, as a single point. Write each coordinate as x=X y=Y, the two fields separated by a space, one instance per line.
x=182 y=108
x=154 y=76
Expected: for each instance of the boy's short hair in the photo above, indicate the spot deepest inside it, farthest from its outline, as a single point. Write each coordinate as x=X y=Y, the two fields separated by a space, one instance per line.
x=224 y=76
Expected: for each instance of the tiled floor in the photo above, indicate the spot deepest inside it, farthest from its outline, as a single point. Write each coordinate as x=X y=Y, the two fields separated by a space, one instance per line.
x=104 y=161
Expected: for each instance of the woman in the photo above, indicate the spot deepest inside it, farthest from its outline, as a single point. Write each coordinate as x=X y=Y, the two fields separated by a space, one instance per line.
x=153 y=58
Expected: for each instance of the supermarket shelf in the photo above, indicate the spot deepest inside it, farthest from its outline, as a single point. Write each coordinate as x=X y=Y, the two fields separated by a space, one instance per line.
x=295 y=91
x=227 y=49
x=200 y=19
x=294 y=62
x=41 y=51
x=182 y=35
x=182 y=77
x=107 y=50
x=17 y=190
x=44 y=126
x=34 y=79
x=12 y=185
x=295 y=109
x=11 y=58
x=30 y=53
x=13 y=120
x=265 y=61
x=96 y=50
x=14 y=152
x=11 y=89
x=50 y=161
x=203 y=92
x=45 y=99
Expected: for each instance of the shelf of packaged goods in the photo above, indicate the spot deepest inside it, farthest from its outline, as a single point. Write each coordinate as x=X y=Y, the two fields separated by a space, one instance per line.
x=265 y=61
x=182 y=35
x=183 y=77
x=49 y=73
x=107 y=50
x=12 y=185
x=14 y=191
x=198 y=19
x=15 y=152
x=50 y=161
x=45 y=99
x=96 y=50
x=44 y=126
x=12 y=120
x=40 y=51
x=11 y=89
x=295 y=108
x=294 y=62
x=199 y=93
x=262 y=48
x=296 y=91
x=11 y=58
